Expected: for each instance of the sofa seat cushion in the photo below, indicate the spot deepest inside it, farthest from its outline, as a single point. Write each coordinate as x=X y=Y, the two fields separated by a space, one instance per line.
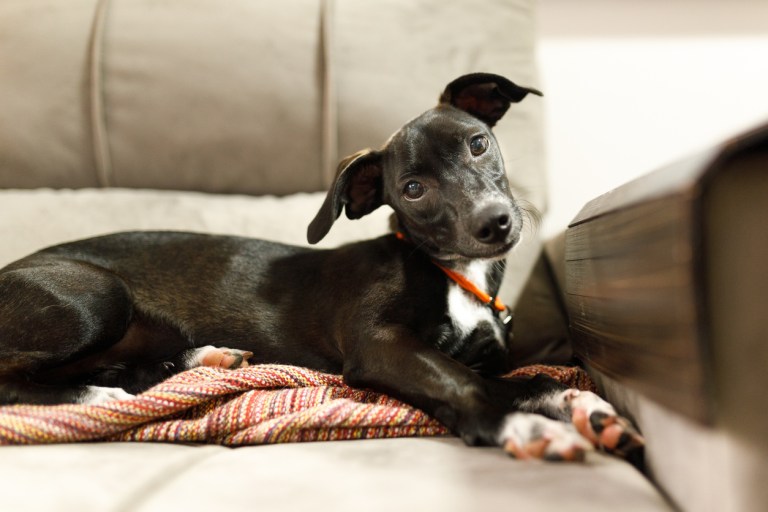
x=374 y=475
x=33 y=219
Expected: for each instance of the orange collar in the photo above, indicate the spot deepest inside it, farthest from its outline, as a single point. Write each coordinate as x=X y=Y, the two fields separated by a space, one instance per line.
x=497 y=307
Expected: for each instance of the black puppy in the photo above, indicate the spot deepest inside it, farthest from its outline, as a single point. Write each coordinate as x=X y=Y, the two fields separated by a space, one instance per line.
x=412 y=315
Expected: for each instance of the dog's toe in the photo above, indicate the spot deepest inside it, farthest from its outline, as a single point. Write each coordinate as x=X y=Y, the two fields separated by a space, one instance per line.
x=621 y=438
x=532 y=436
x=597 y=420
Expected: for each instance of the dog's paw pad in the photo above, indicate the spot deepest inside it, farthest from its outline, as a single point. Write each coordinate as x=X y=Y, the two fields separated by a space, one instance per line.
x=597 y=420
x=621 y=438
x=220 y=357
x=531 y=436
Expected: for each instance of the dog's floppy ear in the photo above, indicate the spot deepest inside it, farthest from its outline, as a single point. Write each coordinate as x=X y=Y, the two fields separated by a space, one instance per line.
x=484 y=95
x=357 y=187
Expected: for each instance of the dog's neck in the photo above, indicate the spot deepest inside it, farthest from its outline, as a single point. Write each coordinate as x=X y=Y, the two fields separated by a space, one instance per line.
x=475 y=276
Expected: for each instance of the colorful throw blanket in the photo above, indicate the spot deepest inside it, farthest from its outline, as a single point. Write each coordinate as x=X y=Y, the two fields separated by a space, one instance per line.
x=255 y=405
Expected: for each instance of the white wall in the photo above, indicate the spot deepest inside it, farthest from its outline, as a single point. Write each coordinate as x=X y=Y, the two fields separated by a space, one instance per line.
x=631 y=85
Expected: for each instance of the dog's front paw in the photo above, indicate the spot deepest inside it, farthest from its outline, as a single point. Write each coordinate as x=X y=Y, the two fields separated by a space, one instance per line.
x=221 y=357
x=598 y=421
x=532 y=436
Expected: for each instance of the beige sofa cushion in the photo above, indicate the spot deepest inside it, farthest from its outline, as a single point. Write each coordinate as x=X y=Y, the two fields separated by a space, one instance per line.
x=241 y=96
x=44 y=126
x=204 y=95
x=376 y=475
x=211 y=95
x=33 y=219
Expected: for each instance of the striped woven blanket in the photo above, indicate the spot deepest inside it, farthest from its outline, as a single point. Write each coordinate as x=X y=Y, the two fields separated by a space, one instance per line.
x=255 y=405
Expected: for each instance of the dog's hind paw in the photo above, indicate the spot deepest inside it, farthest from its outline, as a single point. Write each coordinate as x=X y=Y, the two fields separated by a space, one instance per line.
x=99 y=395
x=532 y=436
x=598 y=421
x=221 y=357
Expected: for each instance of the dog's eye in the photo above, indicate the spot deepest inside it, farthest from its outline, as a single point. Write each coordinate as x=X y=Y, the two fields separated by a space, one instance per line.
x=478 y=145
x=413 y=190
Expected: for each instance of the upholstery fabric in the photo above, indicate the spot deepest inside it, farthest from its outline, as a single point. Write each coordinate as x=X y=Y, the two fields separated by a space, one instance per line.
x=376 y=475
x=33 y=219
x=240 y=96
x=198 y=95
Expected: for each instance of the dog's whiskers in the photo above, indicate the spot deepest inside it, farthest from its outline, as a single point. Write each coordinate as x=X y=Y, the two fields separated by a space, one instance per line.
x=531 y=214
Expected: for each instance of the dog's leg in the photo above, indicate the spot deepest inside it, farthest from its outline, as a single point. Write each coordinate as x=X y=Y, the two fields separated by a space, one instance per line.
x=530 y=430
x=13 y=392
x=51 y=313
x=533 y=436
x=531 y=418
x=392 y=360
x=480 y=411
x=591 y=416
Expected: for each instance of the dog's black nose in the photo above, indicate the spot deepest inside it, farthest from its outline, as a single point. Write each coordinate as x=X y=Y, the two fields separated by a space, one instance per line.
x=492 y=224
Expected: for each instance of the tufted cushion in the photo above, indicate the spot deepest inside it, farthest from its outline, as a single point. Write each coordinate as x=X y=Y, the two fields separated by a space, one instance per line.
x=240 y=96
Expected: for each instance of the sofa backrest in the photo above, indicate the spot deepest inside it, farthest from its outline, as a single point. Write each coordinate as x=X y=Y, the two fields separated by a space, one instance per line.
x=241 y=96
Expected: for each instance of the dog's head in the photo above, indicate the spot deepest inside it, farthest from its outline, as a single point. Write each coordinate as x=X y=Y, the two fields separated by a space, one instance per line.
x=442 y=174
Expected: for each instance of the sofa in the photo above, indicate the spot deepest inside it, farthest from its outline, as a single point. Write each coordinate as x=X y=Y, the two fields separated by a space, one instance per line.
x=666 y=290
x=230 y=117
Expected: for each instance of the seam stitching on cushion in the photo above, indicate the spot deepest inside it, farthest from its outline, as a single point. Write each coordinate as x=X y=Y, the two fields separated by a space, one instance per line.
x=329 y=127
x=99 y=135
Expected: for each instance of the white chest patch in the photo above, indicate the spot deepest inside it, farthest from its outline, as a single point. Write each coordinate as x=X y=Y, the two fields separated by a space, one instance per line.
x=464 y=309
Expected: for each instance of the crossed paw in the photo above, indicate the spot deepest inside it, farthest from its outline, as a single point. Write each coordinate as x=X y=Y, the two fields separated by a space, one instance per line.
x=597 y=420
x=590 y=422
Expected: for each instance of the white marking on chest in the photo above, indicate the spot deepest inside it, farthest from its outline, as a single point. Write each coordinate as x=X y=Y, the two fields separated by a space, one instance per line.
x=466 y=310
